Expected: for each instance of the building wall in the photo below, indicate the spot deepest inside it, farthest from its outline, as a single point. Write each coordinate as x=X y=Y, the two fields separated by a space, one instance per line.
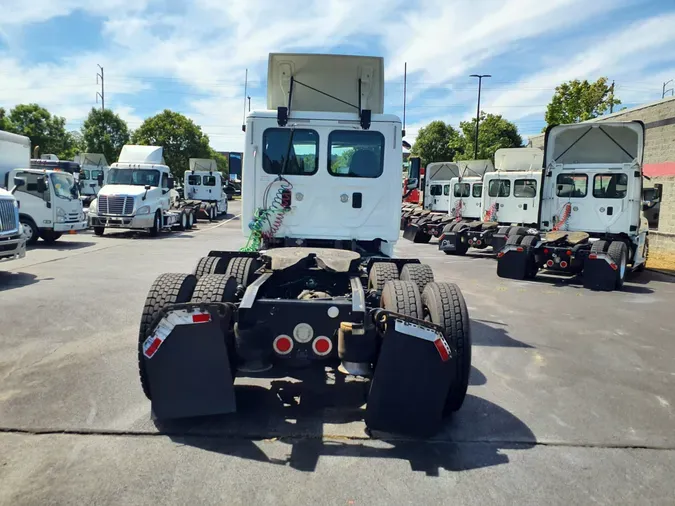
x=659 y=161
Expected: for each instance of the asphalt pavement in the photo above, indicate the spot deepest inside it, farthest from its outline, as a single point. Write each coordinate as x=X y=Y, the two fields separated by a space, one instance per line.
x=571 y=399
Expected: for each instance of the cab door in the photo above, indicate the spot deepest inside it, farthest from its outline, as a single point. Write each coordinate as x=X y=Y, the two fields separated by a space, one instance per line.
x=165 y=197
x=615 y=201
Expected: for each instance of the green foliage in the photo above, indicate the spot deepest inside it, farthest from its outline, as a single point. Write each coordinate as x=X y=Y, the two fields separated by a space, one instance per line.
x=221 y=162
x=494 y=132
x=436 y=142
x=180 y=137
x=44 y=130
x=576 y=101
x=104 y=132
x=5 y=124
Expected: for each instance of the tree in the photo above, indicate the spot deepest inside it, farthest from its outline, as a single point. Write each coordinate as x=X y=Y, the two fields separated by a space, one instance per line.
x=576 y=101
x=105 y=132
x=5 y=124
x=494 y=132
x=178 y=135
x=221 y=162
x=436 y=142
x=44 y=130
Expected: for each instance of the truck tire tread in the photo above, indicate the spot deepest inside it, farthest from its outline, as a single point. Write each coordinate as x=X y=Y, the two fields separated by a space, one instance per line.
x=214 y=288
x=422 y=274
x=380 y=273
x=402 y=297
x=241 y=269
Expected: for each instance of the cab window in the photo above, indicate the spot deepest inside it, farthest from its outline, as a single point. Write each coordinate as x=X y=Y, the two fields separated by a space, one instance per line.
x=610 y=186
x=436 y=190
x=571 y=185
x=303 y=152
x=84 y=174
x=462 y=190
x=478 y=190
x=525 y=188
x=356 y=154
x=194 y=180
x=499 y=188
x=94 y=174
x=209 y=180
x=446 y=190
x=165 y=180
x=31 y=186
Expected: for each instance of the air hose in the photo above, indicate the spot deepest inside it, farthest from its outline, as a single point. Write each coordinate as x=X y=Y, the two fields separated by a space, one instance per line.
x=458 y=211
x=562 y=222
x=267 y=221
x=491 y=213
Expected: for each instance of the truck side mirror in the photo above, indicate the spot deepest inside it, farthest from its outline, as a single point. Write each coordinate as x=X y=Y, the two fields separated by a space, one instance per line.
x=18 y=183
x=412 y=183
x=658 y=189
x=41 y=185
x=171 y=183
x=414 y=172
x=99 y=179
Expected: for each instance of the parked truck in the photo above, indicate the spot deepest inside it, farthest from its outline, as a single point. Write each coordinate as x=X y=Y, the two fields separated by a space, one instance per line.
x=92 y=176
x=203 y=185
x=591 y=212
x=138 y=195
x=317 y=284
x=49 y=201
x=12 y=240
x=510 y=204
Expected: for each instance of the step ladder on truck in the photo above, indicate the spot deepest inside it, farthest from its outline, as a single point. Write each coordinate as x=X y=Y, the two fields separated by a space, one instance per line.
x=139 y=195
x=48 y=199
x=317 y=284
x=203 y=187
x=421 y=224
x=509 y=204
x=591 y=218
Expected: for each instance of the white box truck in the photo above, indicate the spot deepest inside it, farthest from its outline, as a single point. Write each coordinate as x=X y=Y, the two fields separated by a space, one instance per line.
x=49 y=201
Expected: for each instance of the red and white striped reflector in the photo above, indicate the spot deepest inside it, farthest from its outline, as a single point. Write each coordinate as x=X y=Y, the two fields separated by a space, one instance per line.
x=520 y=249
x=500 y=254
x=427 y=334
x=166 y=326
x=592 y=256
x=614 y=266
x=282 y=344
x=322 y=346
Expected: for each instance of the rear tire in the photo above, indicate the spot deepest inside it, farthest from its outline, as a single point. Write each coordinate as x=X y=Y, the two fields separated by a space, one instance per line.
x=182 y=221
x=167 y=289
x=242 y=269
x=49 y=236
x=402 y=297
x=618 y=252
x=30 y=230
x=379 y=274
x=445 y=306
x=190 y=220
x=643 y=266
x=156 y=226
x=421 y=274
x=99 y=231
x=210 y=265
x=215 y=288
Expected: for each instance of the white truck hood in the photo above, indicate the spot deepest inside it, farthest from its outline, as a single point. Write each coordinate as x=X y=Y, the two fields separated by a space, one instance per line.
x=587 y=143
x=122 y=189
x=6 y=194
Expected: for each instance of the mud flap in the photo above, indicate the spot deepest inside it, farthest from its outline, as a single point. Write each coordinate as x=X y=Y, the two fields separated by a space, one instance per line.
x=514 y=264
x=415 y=233
x=599 y=275
x=189 y=372
x=411 y=382
x=449 y=241
x=498 y=242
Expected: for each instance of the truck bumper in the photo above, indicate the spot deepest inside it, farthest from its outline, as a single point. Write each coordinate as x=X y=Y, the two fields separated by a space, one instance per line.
x=12 y=247
x=67 y=227
x=134 y=222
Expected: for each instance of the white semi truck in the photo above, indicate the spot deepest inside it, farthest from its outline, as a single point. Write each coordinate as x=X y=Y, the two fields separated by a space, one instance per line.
x=317 y=285
x=591 y=209
x=510 y=203
x=12 y=240
x=138 y=195
x=204 y=183
x=92 y=176
x=49 y=201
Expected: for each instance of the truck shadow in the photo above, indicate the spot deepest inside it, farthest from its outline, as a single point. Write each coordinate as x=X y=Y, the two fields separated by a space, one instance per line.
x=488 y=333
x=11 y=280
x=61 y=245
x=305 y=417
x=631 y=284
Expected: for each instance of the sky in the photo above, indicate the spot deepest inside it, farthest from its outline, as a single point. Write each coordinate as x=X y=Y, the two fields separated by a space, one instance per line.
x=191 y=56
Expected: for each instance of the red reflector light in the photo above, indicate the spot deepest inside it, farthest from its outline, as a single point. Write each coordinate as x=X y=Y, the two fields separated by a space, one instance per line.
x=152 y=349
x=549 y=263
x=519 y=249
x=563 y=264
x=500 y=254
x=283 y=345
x=569 y=252
x=592 y=256
x=614 y=266
x=545 y=251
x=478 y=242
x=201 y=318
x=322 y=345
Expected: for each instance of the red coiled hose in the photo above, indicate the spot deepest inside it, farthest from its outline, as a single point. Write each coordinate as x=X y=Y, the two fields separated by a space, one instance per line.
x=567 y=210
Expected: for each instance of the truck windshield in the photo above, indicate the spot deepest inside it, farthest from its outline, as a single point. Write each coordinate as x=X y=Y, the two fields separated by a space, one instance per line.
x=137 y=177
x=64 y=185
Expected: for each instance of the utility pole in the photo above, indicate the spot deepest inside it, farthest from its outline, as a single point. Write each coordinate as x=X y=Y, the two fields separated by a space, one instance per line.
x=611 y=99
x=671 y=90
x=102 y=93
x=480 y=82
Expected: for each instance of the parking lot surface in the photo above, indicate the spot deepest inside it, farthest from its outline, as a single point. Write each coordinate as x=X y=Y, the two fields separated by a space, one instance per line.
x=571 y=400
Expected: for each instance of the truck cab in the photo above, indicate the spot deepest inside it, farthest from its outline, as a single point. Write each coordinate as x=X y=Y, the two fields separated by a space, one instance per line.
x=204 y=182
x=326 y=173
x=12 y=240
x=137 y=194
x=92 y=176
x=466 y=198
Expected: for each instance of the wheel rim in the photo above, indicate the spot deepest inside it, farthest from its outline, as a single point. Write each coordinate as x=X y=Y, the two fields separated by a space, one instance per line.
x=190 y=220
x=28 y=230
x=183 y=221
x=622 y=267
x=157 y=223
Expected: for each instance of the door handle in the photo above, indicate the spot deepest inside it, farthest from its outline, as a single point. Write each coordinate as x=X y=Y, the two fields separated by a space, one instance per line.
x=357 y=200
x=524 y=207
x=610 y=211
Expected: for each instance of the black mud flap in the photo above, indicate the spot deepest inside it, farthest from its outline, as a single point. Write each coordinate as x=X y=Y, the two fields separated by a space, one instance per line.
x=412 y=379
x=498 y=242
x=514 y=264
x=190 y=372
x=449 y=241
x=599 y=275
x=415 y=233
